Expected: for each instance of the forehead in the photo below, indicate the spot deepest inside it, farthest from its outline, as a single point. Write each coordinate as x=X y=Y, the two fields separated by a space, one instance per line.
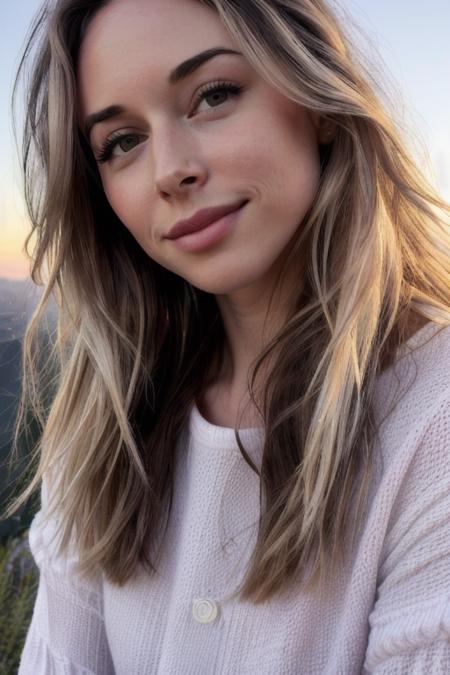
x=130 y=38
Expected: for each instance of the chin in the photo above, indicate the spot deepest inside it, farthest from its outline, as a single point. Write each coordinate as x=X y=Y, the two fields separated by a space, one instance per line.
x=222 y=285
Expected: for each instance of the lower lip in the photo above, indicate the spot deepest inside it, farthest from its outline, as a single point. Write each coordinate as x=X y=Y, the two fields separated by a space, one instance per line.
x=209 y=235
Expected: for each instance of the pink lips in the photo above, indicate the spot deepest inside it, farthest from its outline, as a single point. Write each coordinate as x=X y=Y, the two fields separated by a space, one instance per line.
x=210 y=234
x=202 y=219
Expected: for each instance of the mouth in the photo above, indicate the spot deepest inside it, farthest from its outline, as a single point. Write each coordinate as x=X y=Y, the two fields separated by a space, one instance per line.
x=202 y=219
x=209 y=234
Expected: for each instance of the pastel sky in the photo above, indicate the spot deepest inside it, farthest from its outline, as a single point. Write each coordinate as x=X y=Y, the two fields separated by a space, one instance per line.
x=411 y=48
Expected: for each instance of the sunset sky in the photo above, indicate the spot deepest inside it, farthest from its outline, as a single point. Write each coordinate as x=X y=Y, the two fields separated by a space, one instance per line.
x=410 y=37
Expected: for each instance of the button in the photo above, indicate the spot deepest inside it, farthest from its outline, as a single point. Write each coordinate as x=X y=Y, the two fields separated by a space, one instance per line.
x=204 y=610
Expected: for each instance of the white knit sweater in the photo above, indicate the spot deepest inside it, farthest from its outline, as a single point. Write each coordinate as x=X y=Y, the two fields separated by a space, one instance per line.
x=387 y=612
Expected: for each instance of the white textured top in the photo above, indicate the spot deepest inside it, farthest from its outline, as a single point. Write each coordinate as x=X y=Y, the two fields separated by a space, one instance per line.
x=387 y=612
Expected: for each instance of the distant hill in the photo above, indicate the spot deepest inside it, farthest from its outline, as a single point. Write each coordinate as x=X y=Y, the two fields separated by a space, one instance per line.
x=18 y=300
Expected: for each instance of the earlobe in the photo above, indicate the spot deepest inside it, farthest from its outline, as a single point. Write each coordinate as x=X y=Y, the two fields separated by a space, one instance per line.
x=326 y=131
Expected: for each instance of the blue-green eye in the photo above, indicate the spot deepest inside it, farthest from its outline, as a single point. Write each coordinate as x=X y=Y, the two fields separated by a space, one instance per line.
x=216 y=90
x=126 y=141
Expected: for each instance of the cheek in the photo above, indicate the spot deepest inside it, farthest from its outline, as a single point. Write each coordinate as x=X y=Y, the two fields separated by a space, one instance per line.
x=282 y=163
x=275 y=142
x=296 y=166
x=128 y=202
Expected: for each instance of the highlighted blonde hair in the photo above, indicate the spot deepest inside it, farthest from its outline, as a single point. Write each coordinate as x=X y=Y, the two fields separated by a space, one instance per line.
x=137 y=344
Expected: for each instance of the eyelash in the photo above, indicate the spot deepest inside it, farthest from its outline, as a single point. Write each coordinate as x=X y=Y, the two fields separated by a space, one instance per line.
x=105 y=153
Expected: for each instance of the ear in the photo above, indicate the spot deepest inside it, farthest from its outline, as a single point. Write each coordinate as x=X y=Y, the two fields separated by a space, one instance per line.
x=325 y=129
x=327 y=132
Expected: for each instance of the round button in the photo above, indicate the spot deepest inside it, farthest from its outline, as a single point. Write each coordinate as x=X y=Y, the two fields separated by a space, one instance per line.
x=204 y=610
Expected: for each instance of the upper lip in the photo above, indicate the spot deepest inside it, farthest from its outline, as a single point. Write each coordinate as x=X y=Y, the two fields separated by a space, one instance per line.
x=202 y=218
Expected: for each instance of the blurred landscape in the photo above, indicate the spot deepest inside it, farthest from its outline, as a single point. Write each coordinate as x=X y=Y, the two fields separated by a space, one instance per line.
x=18 y=300
x=18 y=572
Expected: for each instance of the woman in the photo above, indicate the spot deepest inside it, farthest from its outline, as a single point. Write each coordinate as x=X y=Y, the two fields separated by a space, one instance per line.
x=310 y=311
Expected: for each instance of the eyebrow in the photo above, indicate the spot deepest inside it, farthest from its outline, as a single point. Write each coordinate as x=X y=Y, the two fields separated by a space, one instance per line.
x=177 y=74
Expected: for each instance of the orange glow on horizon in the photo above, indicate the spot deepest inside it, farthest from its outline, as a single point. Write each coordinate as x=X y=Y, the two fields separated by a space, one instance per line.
x=14 y=269
x=14 y=229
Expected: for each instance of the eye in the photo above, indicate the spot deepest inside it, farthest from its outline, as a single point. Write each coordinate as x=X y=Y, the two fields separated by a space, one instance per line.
x=125 y=141
x=216 y=91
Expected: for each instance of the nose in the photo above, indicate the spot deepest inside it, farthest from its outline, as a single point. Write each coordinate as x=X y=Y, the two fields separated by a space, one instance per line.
x=178 y=167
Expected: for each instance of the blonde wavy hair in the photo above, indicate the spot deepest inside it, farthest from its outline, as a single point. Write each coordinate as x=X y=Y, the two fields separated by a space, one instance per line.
x=112 y=400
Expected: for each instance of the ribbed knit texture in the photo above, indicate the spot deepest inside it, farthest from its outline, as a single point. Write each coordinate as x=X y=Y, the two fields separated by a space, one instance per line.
x=386 y=612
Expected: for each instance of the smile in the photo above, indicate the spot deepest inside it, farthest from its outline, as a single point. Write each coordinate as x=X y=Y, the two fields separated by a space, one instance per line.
x=210 y=234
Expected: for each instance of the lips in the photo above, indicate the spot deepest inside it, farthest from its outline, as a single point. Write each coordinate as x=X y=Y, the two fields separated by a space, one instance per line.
x=202 y=219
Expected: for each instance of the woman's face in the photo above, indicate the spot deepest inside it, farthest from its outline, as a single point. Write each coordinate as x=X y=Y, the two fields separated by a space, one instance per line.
x=180 y=154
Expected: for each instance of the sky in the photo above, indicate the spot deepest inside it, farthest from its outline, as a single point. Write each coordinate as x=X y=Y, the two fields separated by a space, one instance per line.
x=407 y=41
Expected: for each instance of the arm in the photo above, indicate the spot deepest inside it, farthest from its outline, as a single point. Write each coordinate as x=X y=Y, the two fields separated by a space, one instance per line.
x=410 y=622
x=432 y=660
x=66 y=633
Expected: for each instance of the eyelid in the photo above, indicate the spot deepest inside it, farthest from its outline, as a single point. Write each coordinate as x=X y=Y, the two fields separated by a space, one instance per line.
x=210 y=87
x=115 y=137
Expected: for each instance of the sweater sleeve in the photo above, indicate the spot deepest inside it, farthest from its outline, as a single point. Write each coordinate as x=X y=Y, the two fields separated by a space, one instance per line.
x=434 y=660
x=410 y=621
x=67 y=633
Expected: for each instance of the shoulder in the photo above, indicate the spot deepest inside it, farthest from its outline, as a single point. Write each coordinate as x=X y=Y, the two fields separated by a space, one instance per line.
x=44 y=537
x=416 y=388
x=412 y=414
x=411 y=610
x=412 y=450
